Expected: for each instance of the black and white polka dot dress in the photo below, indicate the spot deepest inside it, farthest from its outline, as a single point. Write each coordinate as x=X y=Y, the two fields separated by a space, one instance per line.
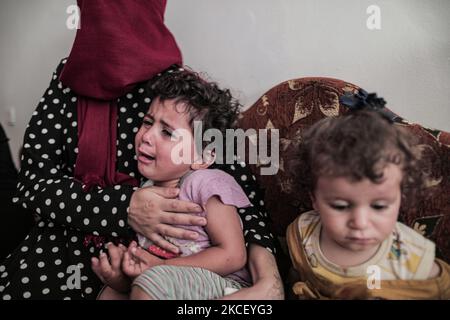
x=53 y=262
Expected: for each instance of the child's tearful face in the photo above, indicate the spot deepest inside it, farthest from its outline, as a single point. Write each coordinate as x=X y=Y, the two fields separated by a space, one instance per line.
x=357 y=216
x=157 y=138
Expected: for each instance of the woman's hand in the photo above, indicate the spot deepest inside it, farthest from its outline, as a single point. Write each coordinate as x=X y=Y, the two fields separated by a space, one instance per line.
x=267 y=284
x=109 y=270
x=136 y=261
x=153 y=210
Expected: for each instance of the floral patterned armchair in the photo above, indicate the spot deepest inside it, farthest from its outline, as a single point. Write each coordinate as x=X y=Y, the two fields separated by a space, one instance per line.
x=291 y=107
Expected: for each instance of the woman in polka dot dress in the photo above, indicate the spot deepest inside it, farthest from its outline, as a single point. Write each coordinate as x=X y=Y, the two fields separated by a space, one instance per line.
x=79 y=214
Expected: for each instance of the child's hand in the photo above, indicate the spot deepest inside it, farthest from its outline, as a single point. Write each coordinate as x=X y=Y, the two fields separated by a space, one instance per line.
x=136 y=261
x=109 y=271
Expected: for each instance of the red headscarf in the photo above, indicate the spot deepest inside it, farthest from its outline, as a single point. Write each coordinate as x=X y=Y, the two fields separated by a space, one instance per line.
x=120 y=43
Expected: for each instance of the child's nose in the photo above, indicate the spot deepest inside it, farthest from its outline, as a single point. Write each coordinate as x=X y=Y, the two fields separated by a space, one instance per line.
x=359 y=219
x=148 y=136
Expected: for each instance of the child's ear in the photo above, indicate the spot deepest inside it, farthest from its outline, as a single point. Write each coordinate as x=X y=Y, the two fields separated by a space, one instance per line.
x=209 y=156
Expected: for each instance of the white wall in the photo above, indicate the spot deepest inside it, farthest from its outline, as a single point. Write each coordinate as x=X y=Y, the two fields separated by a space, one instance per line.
x=251 y=45
x=33 y=38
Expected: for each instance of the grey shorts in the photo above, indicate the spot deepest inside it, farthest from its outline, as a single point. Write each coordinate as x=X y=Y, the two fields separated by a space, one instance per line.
x=184 y=283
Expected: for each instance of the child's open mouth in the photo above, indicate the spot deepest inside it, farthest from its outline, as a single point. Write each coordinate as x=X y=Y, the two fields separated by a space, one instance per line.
x=145 y=157
x=148 y=157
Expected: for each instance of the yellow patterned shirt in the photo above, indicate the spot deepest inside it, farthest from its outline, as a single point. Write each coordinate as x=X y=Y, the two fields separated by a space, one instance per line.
x=405 y=254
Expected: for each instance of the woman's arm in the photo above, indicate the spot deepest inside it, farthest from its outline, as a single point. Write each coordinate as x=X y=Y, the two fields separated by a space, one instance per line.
x=267 y=282
x=46 y=184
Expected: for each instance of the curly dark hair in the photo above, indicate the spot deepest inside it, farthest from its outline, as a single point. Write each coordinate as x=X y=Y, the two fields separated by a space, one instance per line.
x=358 y=145
x=204 y=100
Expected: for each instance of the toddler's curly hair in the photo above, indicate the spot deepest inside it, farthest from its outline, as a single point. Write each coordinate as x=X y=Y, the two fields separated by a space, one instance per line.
x=358 y=145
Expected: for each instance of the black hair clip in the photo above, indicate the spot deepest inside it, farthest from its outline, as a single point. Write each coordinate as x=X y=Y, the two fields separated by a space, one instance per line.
x=362 y=100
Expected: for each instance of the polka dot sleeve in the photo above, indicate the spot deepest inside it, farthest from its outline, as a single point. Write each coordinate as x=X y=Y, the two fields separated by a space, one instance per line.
x=46 y=184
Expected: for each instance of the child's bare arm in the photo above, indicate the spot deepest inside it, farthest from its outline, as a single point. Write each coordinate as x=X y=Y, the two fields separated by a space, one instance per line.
x=435 y=271
x=227 y=253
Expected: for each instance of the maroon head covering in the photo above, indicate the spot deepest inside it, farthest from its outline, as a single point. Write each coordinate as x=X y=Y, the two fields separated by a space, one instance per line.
x=120 y=43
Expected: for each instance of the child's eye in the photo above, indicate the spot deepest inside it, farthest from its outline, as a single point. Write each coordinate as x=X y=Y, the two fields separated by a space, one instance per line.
x=339 y=207
x=167 y=133
x=379 y=207
x=147 y=122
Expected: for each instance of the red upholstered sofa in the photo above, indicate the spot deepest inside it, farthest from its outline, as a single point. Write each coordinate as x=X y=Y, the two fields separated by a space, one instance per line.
x=291 y=107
